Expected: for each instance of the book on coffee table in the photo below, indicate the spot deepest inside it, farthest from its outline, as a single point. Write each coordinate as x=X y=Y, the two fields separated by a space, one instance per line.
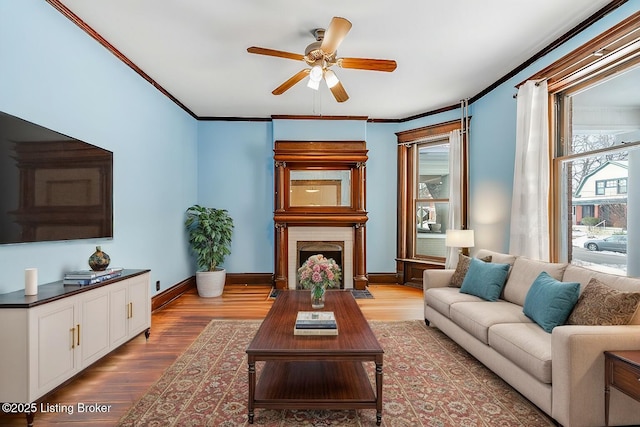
x=315 y=323
x=320 y=331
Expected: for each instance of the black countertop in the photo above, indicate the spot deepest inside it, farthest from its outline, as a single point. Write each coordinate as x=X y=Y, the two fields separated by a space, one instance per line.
x=56 y=290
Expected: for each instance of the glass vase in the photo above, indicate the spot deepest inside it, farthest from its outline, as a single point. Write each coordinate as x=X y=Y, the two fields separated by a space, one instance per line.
x=317 y=296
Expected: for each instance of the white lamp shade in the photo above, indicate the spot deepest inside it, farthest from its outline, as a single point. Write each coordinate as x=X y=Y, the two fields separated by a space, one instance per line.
x=331 y=78
x=316 y=73
x=313 y=84
x=459 y=239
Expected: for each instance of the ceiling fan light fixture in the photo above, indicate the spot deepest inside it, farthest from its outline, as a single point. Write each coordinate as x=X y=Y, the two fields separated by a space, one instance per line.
x=316 y=73
x=313 y=84
x=315 y=76
x=322 y=54
x=331 y=78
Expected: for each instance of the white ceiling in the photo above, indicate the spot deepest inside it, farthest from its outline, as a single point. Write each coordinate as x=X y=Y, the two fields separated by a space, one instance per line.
x=446 y=50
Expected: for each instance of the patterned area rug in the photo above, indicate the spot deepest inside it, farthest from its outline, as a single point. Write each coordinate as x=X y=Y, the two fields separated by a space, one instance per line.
x=428 y=381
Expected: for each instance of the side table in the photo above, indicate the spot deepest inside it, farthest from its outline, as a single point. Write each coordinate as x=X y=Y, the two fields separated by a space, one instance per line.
x=622 y=371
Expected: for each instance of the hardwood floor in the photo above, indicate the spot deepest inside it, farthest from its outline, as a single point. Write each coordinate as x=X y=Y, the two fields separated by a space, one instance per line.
x=123 y=376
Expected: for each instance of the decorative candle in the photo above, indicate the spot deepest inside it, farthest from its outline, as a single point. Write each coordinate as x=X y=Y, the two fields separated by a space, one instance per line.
x=31 y=281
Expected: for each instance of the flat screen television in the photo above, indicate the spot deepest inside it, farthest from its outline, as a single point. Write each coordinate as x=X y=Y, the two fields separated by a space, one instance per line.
x=52 y=187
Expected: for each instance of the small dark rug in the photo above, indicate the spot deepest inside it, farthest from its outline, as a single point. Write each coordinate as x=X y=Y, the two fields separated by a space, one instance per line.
x=361 y=294
x=274 y=293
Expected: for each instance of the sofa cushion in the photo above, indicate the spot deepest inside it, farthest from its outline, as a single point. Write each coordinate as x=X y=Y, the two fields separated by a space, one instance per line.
x=583 y=275
x=485 y=279
x=526 y=345
x=441 y=299
x=600 y=304
x=549 y=301
x=461 y=269
x=498 y=257
x=523 y=274
x=477 y=317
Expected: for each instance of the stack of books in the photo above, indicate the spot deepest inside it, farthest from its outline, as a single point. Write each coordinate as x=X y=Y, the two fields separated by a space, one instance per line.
x=90 y=277
x=316 y=323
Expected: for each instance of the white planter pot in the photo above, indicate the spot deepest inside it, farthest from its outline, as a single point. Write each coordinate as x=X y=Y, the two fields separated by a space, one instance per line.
x=210 y=283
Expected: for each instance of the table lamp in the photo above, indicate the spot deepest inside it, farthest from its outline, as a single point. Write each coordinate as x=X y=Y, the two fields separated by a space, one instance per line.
x=462 y=239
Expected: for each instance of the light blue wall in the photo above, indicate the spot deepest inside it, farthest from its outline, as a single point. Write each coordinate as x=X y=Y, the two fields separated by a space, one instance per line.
x=319 y=130
x=235 y=172
x=55 y=75
x=382 y=196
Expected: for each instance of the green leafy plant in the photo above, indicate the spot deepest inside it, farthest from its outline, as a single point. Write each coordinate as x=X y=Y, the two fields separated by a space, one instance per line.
x=210 y=233
x=590 y=221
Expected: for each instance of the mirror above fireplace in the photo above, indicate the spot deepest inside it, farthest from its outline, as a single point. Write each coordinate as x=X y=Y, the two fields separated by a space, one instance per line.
x=320 y=187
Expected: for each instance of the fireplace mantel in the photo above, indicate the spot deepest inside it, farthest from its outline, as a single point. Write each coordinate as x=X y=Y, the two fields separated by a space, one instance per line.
x=333 y=172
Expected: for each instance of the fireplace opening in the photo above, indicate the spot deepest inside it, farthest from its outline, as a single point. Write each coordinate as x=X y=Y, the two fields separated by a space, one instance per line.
x=334 y=250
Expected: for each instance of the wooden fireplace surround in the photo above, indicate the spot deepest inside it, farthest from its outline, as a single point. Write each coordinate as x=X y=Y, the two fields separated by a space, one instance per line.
x=320 y=156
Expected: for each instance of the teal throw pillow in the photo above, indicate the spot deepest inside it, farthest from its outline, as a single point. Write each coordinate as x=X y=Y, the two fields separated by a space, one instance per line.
x=485 y=279
x=549 y=301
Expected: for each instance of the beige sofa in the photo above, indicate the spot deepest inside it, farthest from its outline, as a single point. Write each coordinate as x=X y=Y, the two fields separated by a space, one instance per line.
x=560 y=372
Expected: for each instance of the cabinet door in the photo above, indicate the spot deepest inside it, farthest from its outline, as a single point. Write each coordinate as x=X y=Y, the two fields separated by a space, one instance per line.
x=53 y=335
x=93 y=324
x=119 y=314
x=140 y=305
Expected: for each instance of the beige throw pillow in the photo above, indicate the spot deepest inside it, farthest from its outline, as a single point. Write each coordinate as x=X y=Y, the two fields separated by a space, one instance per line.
x=600 y=304
x=461 y=269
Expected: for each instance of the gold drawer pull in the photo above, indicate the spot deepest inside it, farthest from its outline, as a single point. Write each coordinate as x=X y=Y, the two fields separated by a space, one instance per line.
x=73 y=337
x=78 y=334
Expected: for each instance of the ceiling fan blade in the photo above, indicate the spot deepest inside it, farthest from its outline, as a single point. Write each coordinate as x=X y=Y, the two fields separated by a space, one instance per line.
x=273 y=52
x=292 y=81
x=387 y=65
x=338 y=29
x=338 y=92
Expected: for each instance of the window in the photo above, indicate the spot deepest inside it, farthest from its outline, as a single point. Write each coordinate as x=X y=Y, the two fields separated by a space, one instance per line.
x=611 y=186
x=597 y=151
x=424 y=182
x=431 y=201
x=596 y=146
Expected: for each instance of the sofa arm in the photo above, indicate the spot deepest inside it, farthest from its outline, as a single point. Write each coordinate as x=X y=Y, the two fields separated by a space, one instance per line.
x=436 y=278
x=578 y=374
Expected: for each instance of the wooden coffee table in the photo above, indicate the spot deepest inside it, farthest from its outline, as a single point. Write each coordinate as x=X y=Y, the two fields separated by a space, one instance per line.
x=314 y=372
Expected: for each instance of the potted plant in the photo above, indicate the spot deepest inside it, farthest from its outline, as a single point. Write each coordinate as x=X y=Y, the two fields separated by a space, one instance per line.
x=210 y=232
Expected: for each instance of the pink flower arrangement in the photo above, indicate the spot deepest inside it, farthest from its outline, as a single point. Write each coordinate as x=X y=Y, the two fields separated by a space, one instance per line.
x=318 y=271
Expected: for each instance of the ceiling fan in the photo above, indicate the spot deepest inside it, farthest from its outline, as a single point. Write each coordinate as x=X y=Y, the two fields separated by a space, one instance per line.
x=321 y=55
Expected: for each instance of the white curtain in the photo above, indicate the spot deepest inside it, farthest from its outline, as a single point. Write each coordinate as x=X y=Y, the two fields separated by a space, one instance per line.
x=530 y=203
x=455 y=193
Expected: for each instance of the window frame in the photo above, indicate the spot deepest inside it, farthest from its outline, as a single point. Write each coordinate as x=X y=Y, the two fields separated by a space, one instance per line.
x=607 y=55
x=408 y=145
